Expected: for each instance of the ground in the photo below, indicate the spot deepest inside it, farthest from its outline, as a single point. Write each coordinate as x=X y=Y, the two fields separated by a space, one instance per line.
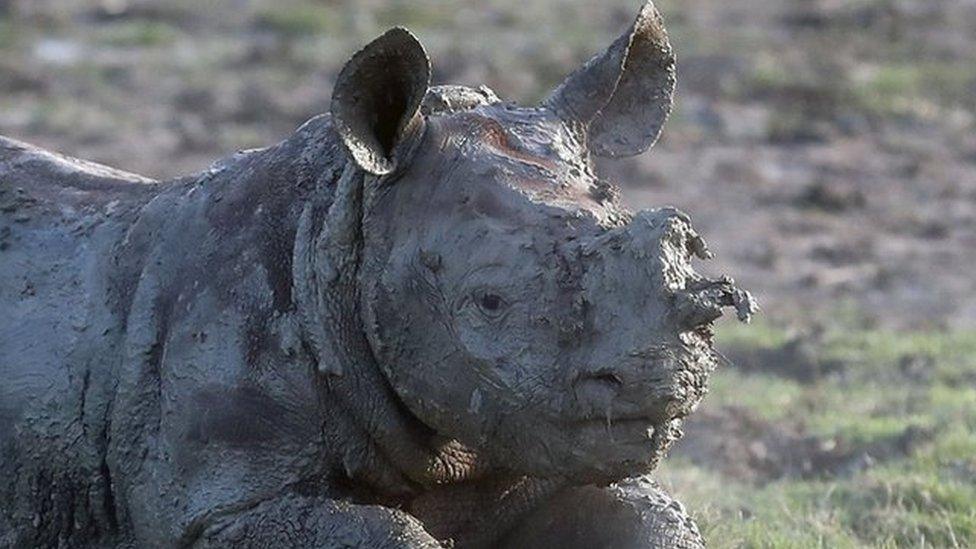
x=825 y=148
x=842 y=438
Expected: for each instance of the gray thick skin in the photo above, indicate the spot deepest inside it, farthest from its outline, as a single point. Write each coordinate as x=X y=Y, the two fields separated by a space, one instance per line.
x=420 y=318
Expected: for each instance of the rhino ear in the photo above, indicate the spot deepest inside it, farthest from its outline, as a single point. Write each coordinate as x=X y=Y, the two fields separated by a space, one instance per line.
x=377 y=97
x=621 y=98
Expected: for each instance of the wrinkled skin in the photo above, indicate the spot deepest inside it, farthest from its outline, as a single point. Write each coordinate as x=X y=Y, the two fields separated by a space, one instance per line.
x=420 y=318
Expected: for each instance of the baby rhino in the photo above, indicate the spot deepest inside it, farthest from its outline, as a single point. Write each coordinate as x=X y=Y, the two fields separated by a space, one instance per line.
x=420 y=321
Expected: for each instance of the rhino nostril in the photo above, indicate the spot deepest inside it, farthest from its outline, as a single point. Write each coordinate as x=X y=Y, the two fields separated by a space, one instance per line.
x=608 y=378
x=598 y=387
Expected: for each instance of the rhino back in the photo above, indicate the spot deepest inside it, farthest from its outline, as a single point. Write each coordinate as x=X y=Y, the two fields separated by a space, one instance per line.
x=61 y=220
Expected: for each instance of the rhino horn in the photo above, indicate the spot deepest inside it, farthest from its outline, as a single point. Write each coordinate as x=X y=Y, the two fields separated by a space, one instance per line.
x=377 y=97
x=704 y=300
x=620 y=99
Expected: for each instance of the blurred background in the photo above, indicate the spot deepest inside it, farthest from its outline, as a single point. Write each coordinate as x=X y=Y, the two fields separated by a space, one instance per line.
x=825 y=148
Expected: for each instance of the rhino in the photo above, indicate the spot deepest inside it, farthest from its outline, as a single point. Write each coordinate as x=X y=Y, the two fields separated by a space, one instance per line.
x=422 y=320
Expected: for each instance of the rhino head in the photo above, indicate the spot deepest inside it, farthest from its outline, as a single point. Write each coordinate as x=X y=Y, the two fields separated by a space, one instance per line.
x=506 y=298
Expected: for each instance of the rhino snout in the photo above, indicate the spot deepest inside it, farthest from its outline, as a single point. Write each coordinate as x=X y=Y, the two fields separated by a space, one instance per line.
x=648 y=392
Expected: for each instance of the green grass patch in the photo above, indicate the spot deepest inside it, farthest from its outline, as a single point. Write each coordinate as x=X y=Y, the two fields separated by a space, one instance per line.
x=911 y=88
x=299 y=20
x=880 y=508
x=138 y=33
x=769 y=397
x=757 y=334
x=9 y=35
x=911 y=395
x=414 y=15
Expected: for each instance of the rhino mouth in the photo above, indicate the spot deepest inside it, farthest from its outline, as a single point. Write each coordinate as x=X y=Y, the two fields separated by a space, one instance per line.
x=635 y=444
x=638 y=430
x=649 y=387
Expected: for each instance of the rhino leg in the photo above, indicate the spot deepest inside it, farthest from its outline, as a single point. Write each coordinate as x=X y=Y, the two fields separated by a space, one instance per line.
x=298 y=521
x=634 y=513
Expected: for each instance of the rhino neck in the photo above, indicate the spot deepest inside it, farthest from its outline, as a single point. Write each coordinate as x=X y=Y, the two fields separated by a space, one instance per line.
x=266 y=211
x=378 y=441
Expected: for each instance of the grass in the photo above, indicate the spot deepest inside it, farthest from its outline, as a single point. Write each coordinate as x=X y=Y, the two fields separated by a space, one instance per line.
x=299 y=20
x=414 y=15
x=139 y=33
x=8 y=33
x=888 y=383
x=886 y=507
x=914 y=88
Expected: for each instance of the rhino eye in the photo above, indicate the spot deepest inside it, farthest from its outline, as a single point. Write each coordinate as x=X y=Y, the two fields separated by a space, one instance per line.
x=489 y=303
